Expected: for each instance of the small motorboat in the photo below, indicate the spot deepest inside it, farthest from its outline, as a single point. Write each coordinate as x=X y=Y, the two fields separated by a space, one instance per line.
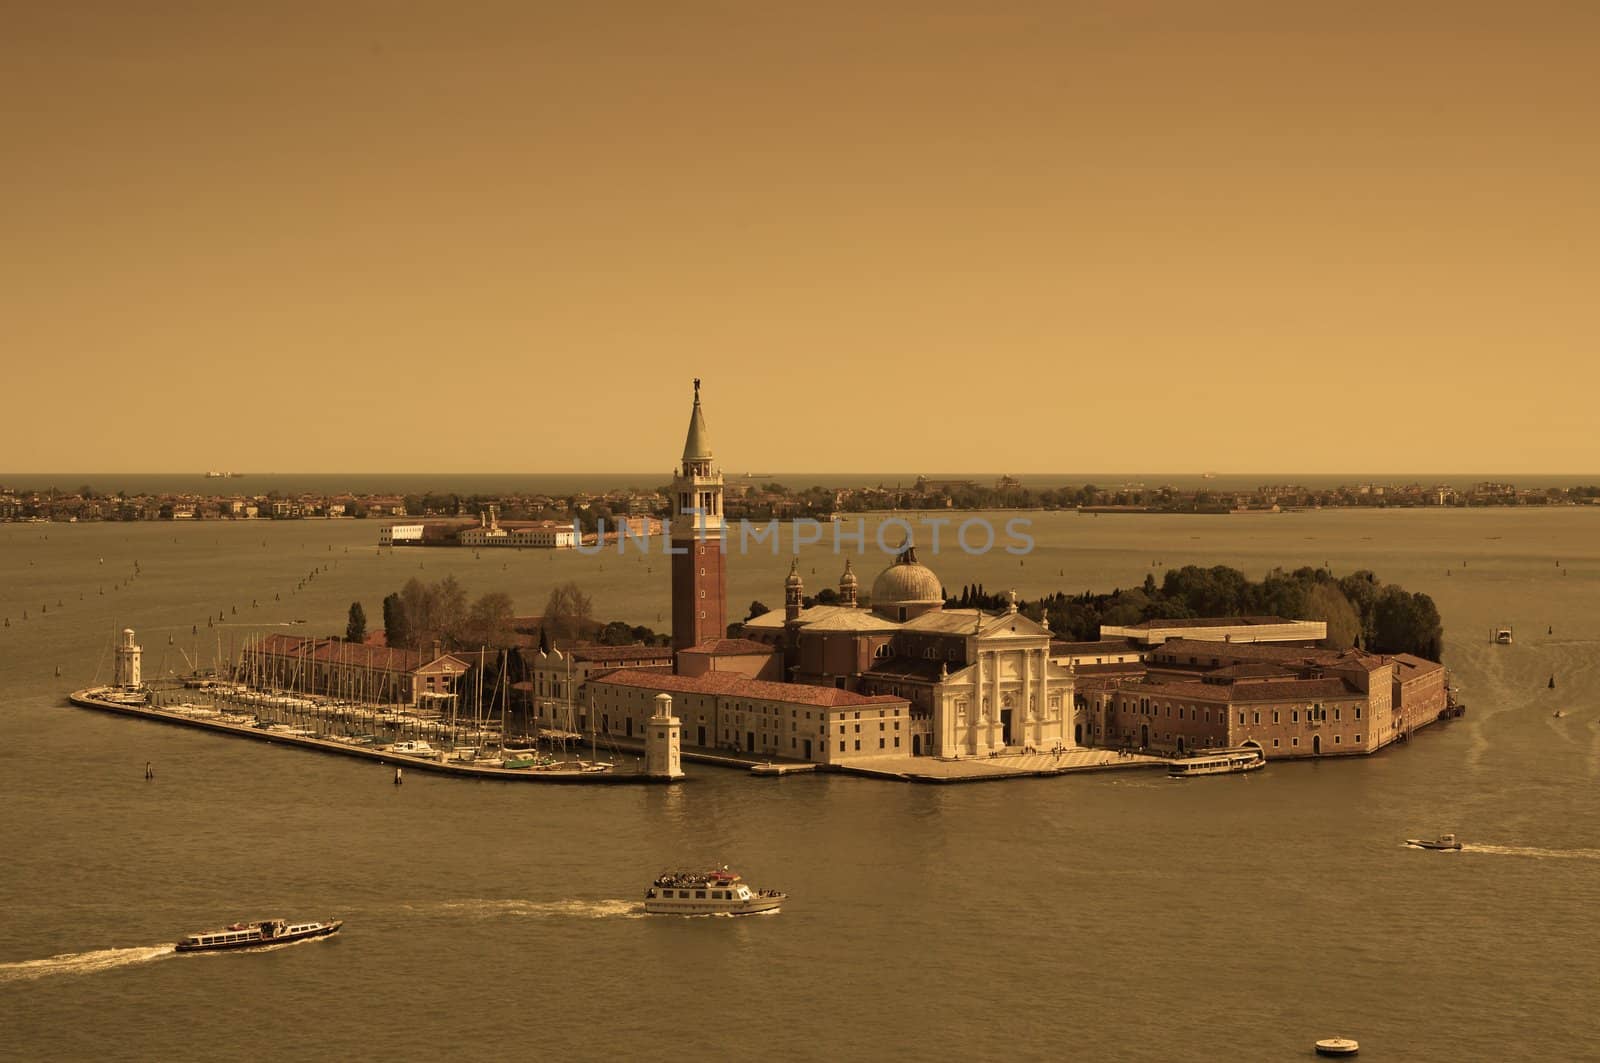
x=1443 y=841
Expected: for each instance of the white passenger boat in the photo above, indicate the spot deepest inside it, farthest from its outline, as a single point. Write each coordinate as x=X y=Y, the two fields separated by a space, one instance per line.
x=414 y=748
x=1443 y=841
x=1222 y=762
x=257 y=935
x=719 y=892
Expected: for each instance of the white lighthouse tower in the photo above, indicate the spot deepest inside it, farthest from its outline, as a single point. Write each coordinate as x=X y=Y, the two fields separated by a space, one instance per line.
x=661 y=742
x=128 y=674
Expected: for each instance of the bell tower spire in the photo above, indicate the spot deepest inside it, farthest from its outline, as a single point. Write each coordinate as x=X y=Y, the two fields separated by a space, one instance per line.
x=699 y=606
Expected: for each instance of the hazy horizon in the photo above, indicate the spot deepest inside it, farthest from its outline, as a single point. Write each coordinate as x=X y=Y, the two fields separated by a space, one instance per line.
x=1023 y=236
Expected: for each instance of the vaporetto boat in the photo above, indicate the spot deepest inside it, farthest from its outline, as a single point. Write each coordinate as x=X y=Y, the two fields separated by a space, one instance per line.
x=1221 y=762
x=718 y=892
x=257 y=935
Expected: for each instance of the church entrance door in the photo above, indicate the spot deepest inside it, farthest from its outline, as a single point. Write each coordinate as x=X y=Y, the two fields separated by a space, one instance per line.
x=1005 y=726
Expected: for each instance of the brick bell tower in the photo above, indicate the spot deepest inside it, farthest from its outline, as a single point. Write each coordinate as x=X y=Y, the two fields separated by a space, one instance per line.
x=699 y=609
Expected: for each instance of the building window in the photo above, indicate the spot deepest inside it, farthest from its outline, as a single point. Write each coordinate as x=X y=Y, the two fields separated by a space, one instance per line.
x=1358 y=738
x=880 y=743
x=841 y=747
x=1257 y=718
x=1294 y=717
x=1274 y=719
x=1335 y=715
x=1294 y=741
x=1274 y=743
x=858 y=745
x=1358 y=712
x=1335 y=739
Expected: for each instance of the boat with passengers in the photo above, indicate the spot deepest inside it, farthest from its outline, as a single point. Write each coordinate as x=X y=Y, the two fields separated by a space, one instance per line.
x=257 y=935
x=717 y=892
x=1220 y=762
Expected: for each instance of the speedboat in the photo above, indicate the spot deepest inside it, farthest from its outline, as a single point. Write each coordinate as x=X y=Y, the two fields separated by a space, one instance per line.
x=257 y=935
x=717 y=892
x=1443 y=841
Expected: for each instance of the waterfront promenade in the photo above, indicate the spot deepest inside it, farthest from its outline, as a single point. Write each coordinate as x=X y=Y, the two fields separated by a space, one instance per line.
x=1005 y=766
x=927 y=769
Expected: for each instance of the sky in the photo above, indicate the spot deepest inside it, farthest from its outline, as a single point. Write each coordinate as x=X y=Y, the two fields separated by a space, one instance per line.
x=1231 y=236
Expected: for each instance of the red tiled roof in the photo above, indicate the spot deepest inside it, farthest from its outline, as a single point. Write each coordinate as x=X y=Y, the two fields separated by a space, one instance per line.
x=355 y=654
x=1264 y=651
x=732 y=648
x=734 y=685
x=1098 y=646
x=636 y=651
x=1284 y=690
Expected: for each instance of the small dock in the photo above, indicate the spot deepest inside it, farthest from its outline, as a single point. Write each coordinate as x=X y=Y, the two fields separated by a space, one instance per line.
x=89 y=699
x=780 y=770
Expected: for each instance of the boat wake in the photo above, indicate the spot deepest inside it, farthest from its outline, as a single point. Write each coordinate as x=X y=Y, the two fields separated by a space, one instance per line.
x=82 y=962
x=571 y=909
x=1534 y=852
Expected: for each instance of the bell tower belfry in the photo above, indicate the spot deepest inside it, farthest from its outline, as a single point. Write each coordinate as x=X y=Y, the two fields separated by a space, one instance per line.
x=699 y=606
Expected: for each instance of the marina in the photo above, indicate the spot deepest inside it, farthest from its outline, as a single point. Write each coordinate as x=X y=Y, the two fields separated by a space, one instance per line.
x=411 y=753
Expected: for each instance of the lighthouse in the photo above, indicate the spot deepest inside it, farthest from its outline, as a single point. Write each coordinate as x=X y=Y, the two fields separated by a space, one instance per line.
x=128 y=674
x=661 y=742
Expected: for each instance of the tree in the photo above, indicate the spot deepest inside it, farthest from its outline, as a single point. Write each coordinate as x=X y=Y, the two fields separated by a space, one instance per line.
x=1406 y=623
x=616 y=633
x=355 y=628
x=396 y=625
x=450 y=612
x=757 y=608
x=1326 y=602
x=488 y=622
x=567 y=611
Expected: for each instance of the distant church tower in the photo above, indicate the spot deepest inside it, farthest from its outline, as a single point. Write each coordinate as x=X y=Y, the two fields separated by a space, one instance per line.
x=794 y=593
x=127 y=666
x=699 y=609
x=847 y=586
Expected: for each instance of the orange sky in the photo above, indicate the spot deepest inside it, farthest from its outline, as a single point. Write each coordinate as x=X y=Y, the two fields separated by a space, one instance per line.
x=1172 y=236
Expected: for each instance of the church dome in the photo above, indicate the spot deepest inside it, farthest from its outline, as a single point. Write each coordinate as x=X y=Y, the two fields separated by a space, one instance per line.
x=906 y=582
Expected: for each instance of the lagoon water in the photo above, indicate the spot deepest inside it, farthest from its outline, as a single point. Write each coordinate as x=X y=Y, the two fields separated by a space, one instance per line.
x=1112 y=916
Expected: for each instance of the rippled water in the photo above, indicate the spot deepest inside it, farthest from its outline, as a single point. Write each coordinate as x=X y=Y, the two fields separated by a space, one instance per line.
x=1099 y=916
